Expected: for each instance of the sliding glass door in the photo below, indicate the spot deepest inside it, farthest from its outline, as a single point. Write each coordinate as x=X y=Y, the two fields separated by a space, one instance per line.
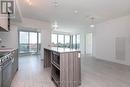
x=23 y=42
x=33 y=45
x=29 y=42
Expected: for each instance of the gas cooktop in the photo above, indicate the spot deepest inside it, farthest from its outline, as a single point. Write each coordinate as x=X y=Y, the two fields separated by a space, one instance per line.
x=5 y=57
x=2 y=54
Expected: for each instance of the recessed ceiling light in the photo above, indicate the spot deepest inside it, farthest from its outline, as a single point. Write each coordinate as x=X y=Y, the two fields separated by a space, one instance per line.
x=29 y=2
x=76 y=11
x=92 y=25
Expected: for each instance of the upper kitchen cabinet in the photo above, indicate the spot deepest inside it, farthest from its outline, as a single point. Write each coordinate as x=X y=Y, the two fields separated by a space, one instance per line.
x=4 y=22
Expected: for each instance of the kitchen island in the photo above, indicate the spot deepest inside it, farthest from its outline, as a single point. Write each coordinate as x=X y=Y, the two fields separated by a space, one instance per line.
x=65 y=66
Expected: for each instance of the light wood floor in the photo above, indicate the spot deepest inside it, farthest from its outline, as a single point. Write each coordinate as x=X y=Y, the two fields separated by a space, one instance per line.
x=95 y=73
x=32 y=74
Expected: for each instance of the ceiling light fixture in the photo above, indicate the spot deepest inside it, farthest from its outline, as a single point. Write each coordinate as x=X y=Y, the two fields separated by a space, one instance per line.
x=55 y=25
x=92 y=22
x=75 y=11
x=92 y=25
x=55 y=3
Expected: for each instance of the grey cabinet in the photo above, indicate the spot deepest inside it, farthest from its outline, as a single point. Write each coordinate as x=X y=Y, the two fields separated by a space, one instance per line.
x=7 y=75
x=70 y=69
x=14 y=63
x=65 y=67
x=4 y=22
x=47 y=58
x=0 y=77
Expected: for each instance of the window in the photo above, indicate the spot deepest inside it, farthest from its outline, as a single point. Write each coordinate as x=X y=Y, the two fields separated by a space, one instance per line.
x=78 y=41
x=54 y=40
x=29 y=42
x=24 y=40
x=33 y=42
x=89 y=43
x=39 y=38
x=65 y=41
x=39 y=42
x=74 y=41
x=61 y=41
x=23 y=37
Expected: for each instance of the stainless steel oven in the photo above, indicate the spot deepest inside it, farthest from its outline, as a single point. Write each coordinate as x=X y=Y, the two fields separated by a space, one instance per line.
x=6 y=74
x=6 y=69
x=56 y=58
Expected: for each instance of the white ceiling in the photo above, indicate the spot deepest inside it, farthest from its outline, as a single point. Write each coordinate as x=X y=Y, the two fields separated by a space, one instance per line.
x=102 y=10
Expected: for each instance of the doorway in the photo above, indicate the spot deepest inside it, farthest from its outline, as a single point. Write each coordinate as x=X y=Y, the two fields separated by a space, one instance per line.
x=29 y=42
x=89 y=43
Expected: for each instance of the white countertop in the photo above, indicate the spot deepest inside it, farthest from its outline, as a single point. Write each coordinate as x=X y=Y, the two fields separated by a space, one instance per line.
x=6 y=49
x=62 y=50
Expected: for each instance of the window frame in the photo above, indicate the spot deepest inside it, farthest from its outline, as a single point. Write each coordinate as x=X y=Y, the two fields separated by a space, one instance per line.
x=71 y=45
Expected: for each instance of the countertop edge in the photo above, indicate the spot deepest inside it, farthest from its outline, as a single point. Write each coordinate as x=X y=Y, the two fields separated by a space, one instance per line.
x=71 y=51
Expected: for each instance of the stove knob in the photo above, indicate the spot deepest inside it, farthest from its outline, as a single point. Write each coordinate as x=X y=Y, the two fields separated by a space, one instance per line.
x=5 y=57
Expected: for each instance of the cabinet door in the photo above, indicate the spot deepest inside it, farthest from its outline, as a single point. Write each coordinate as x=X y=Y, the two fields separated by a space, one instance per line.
x=7 y=75
x=64 y=67
x=0 y=78
x=16 y=60
x=15 y=63
x=3 y=22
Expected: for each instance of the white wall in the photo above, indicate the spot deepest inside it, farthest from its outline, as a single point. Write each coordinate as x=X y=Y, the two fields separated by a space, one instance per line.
x=10 y=39
x=43 y=27
x=105 y=36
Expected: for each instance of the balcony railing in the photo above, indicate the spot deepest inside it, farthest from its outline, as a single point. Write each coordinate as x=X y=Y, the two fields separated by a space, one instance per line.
x=29 y=48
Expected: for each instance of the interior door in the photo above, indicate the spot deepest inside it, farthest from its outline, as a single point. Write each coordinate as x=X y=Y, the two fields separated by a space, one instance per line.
x=89 y=43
